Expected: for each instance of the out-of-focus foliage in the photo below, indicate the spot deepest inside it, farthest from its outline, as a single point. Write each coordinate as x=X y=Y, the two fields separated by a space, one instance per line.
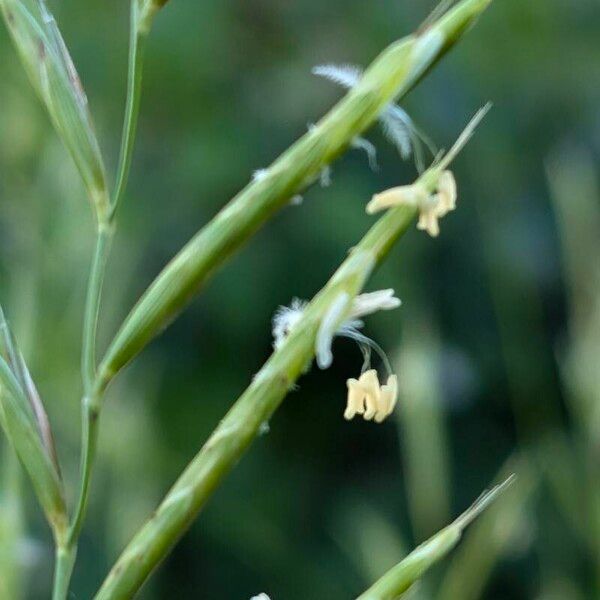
x=497 y=312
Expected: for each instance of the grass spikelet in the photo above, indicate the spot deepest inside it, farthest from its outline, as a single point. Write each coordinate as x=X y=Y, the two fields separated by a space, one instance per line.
x=400 y=579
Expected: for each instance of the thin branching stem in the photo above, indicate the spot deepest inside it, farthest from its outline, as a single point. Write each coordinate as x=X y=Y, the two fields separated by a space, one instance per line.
x=65 y=559
x=65 y=555
x=89 y=440
x=92 y=306
x=66 y=550
x=137 y=46
x=89 y=403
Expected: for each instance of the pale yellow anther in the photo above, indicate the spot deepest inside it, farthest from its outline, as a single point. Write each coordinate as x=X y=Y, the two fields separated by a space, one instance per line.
x=388 y=397
x=367 y=397
x=371 y=407
x=434 y=195
x=405 y=195
x=356 y=397
x=447 y=193
x=429 y=218
x=370 y=384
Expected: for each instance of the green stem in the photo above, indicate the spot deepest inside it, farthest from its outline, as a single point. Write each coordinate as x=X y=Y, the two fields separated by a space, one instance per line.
x=137 y=46
x=65 y=560
x=89 y=440
x=89 y=403
x=92 y=397
x=244 y=421
x=92 y=307
x=89 y=436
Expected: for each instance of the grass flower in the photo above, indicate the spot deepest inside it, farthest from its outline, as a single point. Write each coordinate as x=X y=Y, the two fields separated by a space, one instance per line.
x=431 y=204
x=54 y=77
x=25 y=423
x=372 y=302
x=286 y=317
x=284 y=320
x=365 y=395
x=407 y=573
x=435 y=193
x=395 y=122
x=368 y=398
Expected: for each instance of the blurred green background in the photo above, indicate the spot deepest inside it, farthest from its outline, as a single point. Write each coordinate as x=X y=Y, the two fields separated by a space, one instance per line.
x=497 y=344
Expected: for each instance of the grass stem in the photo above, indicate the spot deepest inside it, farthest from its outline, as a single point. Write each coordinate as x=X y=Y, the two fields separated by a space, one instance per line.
x=137 y=47
x=91 y=400
x=65 y=559
x=89 y=433
x=92 y=307
x=89 y=440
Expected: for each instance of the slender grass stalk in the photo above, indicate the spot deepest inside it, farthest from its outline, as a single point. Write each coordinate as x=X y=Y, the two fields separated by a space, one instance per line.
x=106 y=230
x=63 y=568
x=402 y=577
x=89 y=442
x=92 y=306
x=243 y=422
x=391 y=76
x=137 y=46
x=89 y=404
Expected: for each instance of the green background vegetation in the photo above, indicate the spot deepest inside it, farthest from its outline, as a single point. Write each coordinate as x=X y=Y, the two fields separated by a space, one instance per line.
x=496 y=345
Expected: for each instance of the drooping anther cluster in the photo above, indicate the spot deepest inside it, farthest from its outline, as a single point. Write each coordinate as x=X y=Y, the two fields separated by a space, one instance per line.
x=433 y=199
x=366 y=396
x=434 y=193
